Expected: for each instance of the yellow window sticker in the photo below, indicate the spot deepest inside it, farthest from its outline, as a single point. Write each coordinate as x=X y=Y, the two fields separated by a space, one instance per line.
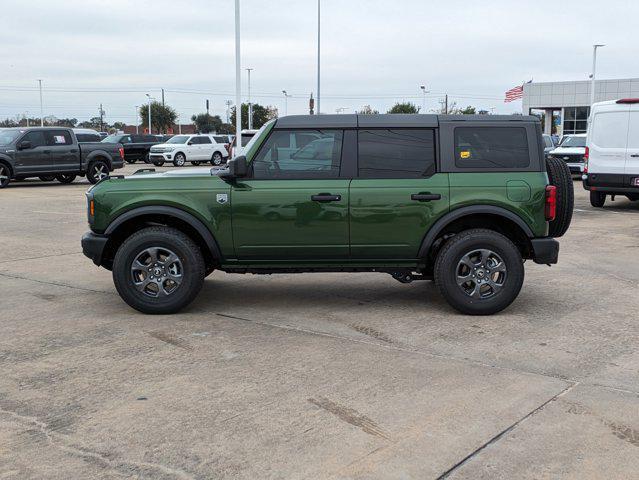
x=464 y=154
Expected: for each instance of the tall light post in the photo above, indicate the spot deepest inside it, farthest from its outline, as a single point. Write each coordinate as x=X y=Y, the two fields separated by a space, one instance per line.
x=41 y=107
x=318 y=58
x=250 y=109
x=137 y=119
x=286 y=95
x=149 y=97
x=592 y=77
x=238 y=81
x=424 y=91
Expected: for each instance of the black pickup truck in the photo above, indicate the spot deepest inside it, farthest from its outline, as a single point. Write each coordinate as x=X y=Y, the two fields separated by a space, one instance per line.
x=54 y=153
x=136 y=147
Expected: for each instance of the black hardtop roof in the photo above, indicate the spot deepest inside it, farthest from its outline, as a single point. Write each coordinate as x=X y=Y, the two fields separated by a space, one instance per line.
x=390 y=120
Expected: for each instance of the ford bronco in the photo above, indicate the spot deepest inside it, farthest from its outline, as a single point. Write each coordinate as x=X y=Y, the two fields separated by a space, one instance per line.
x=462 y=200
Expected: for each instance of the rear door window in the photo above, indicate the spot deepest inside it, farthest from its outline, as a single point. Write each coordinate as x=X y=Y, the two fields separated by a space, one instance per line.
x=58 y=138
x=610 y=129
x=396 y=153
x=491 y=147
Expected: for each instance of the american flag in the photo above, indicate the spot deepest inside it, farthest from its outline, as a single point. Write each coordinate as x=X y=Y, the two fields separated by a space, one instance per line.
x=515 y=93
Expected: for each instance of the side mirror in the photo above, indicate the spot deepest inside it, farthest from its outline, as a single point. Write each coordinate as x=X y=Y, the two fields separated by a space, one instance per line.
x=238 y=167
x=24 y=145
x=190 y=143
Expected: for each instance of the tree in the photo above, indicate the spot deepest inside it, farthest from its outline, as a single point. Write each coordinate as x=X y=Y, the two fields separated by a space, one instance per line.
x=226 y=128
x=261 y=115
x=466 y=111
x=205 y=123
x=404 y=107
x=162 y=116
x=367 y=110
x=119 y=125
x=94 y=123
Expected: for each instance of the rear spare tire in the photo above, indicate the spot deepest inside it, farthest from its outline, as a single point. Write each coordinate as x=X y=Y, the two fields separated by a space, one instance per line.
x=559 y=176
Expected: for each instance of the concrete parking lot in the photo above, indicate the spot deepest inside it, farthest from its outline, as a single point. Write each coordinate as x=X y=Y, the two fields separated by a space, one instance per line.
x=344 y=376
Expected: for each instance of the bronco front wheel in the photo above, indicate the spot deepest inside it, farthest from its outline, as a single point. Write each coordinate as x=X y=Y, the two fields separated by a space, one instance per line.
x=479 y=272
x=158 y=270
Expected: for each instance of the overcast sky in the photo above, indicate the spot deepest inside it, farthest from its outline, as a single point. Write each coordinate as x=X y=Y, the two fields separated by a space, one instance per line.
x=373 y=52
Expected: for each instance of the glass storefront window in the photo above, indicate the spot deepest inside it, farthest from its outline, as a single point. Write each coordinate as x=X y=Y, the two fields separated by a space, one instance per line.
x=575 y=120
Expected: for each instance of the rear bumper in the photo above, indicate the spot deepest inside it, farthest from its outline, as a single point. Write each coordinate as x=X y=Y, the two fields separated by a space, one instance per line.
x=611 y=182
x=93 y=246
x=545 y=250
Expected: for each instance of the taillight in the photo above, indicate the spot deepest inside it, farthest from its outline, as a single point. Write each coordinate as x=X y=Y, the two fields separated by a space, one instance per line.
x=551 y=203
x=121 y=150
x=586 y=157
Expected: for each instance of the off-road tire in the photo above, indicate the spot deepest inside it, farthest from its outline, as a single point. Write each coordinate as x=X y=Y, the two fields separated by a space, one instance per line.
x=449 y=258
x=559 y=176
x=168 y=238
x=95 y=170
x=179 y=159
x=65 y=178
x=597 y=199
x=158 y=163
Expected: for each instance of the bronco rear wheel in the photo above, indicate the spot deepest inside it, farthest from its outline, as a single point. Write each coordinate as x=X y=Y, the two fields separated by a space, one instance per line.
x=559 y=176
x=158 y=270
x=479 y=272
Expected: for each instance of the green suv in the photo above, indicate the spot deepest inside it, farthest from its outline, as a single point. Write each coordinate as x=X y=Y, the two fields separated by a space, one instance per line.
x=463 y=200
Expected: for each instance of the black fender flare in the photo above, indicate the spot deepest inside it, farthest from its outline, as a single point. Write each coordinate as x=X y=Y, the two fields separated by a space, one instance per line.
x=99 y=155
x=187 y=217
x=453 y=215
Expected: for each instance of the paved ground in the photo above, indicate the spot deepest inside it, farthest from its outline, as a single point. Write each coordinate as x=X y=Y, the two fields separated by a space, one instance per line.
x=344 y=376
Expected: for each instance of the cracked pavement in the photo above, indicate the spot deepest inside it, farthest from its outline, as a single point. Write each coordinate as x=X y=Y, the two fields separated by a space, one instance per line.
x=336 y=376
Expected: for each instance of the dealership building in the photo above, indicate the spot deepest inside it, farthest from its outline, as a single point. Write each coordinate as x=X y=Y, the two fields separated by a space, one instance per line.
x=564 y=106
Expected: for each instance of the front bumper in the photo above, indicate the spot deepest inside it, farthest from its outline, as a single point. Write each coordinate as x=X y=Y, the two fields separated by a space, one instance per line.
x=545 y=250
x=93 y=246
x=162 y=156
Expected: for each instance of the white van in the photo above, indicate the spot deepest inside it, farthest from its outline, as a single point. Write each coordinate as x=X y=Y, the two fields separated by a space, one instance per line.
x=612 y=151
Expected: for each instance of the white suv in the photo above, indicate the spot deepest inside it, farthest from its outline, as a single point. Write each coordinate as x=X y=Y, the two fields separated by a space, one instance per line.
x=189 y=148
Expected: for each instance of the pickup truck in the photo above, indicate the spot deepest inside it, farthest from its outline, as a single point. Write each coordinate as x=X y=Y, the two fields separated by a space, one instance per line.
x=136 y=147
x=54 y=153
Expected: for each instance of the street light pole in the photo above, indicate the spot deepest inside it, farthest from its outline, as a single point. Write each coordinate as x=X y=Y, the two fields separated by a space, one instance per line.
x=250 y=109
x=594 y=65
x=423 y=87
x=150 y=128
x=137 y=119
x=285 y=102
x=41 y=108
x=238 y=81
x=318 y=57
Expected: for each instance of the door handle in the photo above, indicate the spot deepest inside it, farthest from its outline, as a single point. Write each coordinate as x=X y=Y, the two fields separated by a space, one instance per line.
x=326 y=197
x=635 y=155
x=425 y=197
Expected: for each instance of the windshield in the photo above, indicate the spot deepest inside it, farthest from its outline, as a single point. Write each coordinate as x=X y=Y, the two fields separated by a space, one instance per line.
x=8 y=136
x=574 y=142
x=112 y=139
x=178 y=139
x=254 y=136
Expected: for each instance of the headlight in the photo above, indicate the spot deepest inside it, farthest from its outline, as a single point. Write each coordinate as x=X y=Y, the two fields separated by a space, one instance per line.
x=168 y=149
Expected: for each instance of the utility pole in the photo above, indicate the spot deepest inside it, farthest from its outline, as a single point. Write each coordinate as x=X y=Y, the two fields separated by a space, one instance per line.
x=446 y=104
x=592 y=77
x=286 y=95
x=238 y=82
x=27 y=119
x=101 y=118
x=150 y=128
x=318 y=56
x=162 y=97
x=311 y=104
x=207 y=106
x=41 y=108
x=250 y=105
x=137 y=119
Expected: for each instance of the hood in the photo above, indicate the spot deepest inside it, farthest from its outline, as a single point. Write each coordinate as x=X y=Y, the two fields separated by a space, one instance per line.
x=178 y=172
x=568 y=151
